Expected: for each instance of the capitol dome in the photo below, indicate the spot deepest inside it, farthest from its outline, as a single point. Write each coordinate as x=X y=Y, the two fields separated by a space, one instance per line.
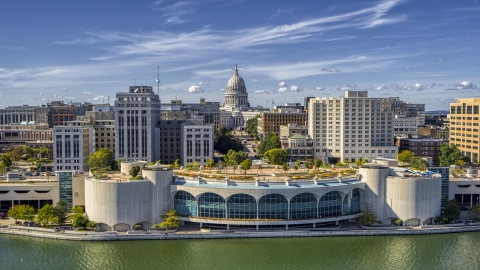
x=236 y=95
x=236 y=83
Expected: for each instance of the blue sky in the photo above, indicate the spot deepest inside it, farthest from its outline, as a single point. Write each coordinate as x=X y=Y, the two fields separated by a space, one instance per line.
x=422 y=51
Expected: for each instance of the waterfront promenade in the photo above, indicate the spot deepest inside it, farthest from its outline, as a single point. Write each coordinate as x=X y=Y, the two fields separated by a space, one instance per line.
x=224 y=234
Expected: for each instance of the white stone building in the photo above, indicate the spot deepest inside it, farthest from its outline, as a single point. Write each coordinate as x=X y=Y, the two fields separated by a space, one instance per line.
x=197 y=144
x=351 y=127
x=405 y=125
x=136 y=115
x=72 y=144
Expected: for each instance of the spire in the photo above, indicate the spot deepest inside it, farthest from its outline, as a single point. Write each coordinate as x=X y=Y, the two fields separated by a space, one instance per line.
x=236 y=69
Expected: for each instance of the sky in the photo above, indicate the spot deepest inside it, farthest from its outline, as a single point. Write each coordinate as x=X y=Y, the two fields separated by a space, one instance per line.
x=421 y=51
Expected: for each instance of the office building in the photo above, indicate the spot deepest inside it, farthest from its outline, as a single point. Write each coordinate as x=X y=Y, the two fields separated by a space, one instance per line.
x=464 y=126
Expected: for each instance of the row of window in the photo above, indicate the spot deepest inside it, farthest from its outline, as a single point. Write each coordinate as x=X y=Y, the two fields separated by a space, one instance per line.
x=271 y=206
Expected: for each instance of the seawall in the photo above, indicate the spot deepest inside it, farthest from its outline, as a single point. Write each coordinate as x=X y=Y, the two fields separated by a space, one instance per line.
x=111 y=236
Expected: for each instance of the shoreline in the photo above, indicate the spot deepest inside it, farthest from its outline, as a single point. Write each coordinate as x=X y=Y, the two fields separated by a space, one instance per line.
x=111 y=236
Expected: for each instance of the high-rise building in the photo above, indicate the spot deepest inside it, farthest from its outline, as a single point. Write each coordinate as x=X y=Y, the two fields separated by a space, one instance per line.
x=464 y=126
x=271 y=121
x=351 y=127
x=197 y=144
x=136 y=115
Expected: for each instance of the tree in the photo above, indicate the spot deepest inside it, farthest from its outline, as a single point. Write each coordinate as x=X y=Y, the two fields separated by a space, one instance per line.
x=220 y=165
x=44 y=151
x=419 y=163
x=474 y=212
x=451 y=211
x=16 y=153
x=368 y=216
x=210 y=163
x=246 y=165
x=252 y=126
x=91 y=224
x=318 y=163
x=134 y=171
x=176 y=163
x=276 y=156
x=46 y=215
x=171 y=220
x=3 y=170
x=309 y=164
x=223 y=141
x=101 y=159
x=61 y=210
x=358 y=162
x=6 y=160
x=271 y=141
x=234 y=158
x=405 y=156
x=79 y=220
x=25 y=212
x=298 y=164
x=295 y=167
x=450 y=154
x=29 y=151
x=285 y=167
x=398 y=222
x=460 y=163
x=195 y=165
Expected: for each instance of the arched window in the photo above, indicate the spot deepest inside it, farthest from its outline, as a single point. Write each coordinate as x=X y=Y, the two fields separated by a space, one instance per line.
x=330 y=205
x=241 y=206
x=351 y=202
x=211 y=205
x=185 y=204
x=303 y=205
x=273 y=206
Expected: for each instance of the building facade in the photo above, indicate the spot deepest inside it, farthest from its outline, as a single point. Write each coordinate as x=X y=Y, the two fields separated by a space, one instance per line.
x=423 y=148
x=25 y=134
x=272 y=121
x=464 y=126
x=197 y=144
x=136 y=115
x=351 y=127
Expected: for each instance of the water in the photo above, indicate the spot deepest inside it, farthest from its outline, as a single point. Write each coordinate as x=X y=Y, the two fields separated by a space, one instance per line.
x=448 y=251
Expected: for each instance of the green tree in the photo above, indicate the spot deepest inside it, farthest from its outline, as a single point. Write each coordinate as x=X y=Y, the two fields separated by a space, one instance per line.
x=295 y=167
x=318 y=163
x=195 y=165
x=223 y=141
x=460 y=163
x=252 y=126
x=309 y=164
x=171 y=220
x=16 y=153
x=398 y=222
x=25 y=212
x=271 y=141
x=474 y=212
x=44 y=151
x=450 y=154
x=451 y=211
x=285 y=167
x=298 y=163
x=176 y=163
x=359 y=162
x=220 y=165
x=405 y=157
x=29 y=151
x=189 y=166
x=367 y=215
x=91 y=224
x=276 y=156
x=246 y=165
x=134 y=171
x=46 y=216
x=61 y=210
x=234 y=158
x=210 y=163
x=6 y=160
x=79 y=221
x=101 y=159
x=419 y=163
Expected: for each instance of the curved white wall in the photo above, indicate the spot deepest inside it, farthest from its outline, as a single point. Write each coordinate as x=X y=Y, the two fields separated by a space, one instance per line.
x=414 y=198
x=160 y=179
x=375 y=178
x=112 y=202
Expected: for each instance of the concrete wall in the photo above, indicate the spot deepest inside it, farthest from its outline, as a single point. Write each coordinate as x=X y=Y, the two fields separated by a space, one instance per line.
x=375 y=188
x=160 y=180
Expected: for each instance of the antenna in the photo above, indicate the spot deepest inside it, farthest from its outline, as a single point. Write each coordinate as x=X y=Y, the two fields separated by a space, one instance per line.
x=108 y=99
x=158 y=80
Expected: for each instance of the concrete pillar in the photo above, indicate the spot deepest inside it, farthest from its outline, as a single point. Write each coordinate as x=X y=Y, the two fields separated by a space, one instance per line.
x=256 y=227
x=228 y=226
x=336 y=222
x=201 y=224
x=286 y=227
x=314 y=225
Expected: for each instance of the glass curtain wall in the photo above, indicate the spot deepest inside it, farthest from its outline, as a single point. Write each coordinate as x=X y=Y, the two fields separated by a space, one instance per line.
x=185 y=204
x=303 y=206
x=330 y=205
x=351 y=202
x=241 y=206
x=273 y=206
x=211 y=205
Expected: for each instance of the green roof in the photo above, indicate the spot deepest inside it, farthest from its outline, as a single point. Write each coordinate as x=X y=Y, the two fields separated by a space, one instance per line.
x=297 y=136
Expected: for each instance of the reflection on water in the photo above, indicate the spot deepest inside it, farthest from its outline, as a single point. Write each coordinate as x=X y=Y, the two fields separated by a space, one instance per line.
x=452 y=251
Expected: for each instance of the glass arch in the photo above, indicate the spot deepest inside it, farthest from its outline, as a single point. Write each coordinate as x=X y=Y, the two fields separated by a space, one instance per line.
x=303 y=205
x=185 y=204
x=351 y=202
x=241 y=206
x=211 y=205
x=273 y=206
x=330 y=205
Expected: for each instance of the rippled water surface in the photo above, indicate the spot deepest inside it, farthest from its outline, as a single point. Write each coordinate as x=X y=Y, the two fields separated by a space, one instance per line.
x=449 y=251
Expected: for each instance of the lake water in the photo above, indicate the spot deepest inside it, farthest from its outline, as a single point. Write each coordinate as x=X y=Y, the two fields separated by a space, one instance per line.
x=447 y=251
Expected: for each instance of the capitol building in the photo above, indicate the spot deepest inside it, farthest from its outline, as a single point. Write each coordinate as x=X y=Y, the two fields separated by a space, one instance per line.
x=236 y=109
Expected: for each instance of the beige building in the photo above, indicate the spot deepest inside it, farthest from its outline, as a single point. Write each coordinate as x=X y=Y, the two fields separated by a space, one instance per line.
x=104 y=126
x=290 y=129
x=271 y=121
x=464 y=131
